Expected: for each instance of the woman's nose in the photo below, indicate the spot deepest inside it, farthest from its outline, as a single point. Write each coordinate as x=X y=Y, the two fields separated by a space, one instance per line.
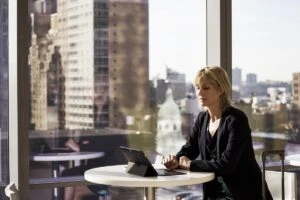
x=199 y=91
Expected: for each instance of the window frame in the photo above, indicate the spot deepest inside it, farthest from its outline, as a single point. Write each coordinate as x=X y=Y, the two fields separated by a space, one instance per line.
x=18 y=99
x=218 y=48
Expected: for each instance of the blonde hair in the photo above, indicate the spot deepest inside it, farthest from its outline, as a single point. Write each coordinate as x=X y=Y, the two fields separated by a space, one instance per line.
x=218 y=77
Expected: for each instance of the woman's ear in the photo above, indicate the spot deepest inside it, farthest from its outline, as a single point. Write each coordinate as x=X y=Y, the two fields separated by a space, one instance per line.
x=221 y=91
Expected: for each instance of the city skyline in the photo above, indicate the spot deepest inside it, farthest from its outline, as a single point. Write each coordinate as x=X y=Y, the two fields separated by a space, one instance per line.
x=263 y=41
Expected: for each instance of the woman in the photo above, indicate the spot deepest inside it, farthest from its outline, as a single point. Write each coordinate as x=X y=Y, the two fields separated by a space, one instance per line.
x=222 y=137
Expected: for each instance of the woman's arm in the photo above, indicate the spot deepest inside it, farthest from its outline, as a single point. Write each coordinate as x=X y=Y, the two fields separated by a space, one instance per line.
x=191 y=147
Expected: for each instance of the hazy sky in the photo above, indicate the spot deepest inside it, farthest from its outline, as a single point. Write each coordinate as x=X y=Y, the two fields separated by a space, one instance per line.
x=177 y=36
x=266 y=37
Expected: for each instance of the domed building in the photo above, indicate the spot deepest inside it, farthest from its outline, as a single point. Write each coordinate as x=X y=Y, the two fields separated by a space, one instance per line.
x=169 y=138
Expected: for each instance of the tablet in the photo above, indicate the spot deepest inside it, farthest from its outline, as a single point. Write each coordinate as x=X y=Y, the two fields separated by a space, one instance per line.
x=139 y=164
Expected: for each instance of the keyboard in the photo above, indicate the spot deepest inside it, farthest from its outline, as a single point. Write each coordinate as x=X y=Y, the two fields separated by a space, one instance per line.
x=167 y=172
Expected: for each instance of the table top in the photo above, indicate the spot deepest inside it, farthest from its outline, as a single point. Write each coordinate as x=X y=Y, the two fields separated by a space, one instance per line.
x=65 y=156
x=116 y=176
x=293 y=159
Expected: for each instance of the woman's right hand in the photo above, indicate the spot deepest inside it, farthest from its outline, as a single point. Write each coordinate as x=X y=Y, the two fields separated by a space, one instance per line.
x=71 y=144
x=170 y=162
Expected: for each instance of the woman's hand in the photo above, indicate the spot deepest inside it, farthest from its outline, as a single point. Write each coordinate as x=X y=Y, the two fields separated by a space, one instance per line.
x=184 y=163
x=170 y=162
x=71 y=144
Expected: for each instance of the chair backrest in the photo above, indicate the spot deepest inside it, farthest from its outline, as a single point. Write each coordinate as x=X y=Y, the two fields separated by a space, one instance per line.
x=273 y=179
x=12 y=192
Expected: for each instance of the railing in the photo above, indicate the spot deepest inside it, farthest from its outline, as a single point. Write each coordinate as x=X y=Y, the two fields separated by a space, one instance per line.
x=41 y=183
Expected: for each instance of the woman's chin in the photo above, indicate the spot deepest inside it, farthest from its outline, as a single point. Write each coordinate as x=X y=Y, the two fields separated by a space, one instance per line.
x=202 y=103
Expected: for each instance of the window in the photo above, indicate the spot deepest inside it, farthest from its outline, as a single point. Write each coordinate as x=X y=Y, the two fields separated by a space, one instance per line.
x=64 y=57
x=262 y=42
x=148 y=63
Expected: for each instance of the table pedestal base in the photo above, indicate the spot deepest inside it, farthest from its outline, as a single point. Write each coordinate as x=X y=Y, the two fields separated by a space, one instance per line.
x=149 y=193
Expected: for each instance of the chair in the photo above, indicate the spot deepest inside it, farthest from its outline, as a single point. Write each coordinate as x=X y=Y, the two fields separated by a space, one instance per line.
x=281 y=180
x=273 y=178
x=12 y=192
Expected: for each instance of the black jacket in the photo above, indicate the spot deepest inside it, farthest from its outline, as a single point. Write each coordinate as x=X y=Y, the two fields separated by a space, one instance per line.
x=235 y=154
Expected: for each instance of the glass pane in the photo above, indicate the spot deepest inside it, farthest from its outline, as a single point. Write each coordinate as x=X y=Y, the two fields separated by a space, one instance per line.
x=3 y=92
x=266 y=71
x=110 y=73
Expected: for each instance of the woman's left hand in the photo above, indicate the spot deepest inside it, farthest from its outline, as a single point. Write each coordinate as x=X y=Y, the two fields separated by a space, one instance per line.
x=184 y=163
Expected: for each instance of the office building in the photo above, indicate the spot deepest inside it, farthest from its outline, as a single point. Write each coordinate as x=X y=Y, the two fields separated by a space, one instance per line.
x=128 y=59
x=251 y=79
x=295 y=111
x=176 y=81
x=296 y=89
x=43 y=6
x=237 y=77
x=46 y=76
x=170 y=79
x=104 y=49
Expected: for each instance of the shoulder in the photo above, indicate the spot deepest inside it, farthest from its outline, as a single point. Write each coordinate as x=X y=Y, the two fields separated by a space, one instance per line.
x=236 y=119
x=201 y=118
x=202 y=115
x=232 y=113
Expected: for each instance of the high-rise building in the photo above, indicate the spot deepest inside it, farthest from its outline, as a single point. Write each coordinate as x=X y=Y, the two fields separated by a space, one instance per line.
x=295 y=109
x=170 y=79
x=44 y=6
x=237 y=77
x=128 y=60
x=251 y=79
x=104 y=52
x=177 y=82
x=296 y=89
x=46 y=76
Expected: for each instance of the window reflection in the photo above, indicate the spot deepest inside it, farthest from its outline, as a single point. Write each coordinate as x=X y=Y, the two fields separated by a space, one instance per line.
x=92 y=80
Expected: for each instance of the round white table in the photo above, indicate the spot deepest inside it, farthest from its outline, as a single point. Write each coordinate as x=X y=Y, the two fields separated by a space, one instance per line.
x=65 y=156
x=116 y=176
x=293 y=160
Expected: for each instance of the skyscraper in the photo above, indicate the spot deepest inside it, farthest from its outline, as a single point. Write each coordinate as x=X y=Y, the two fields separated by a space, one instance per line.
x=104 y=51
x=251 y=79
x=296 y=89
x=177 y=82
x=237 y=77
x=295 y=110
x=170 y=79
x=46 y=76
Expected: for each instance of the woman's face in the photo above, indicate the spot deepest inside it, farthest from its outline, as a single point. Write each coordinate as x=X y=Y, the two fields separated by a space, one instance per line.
x=208 y=95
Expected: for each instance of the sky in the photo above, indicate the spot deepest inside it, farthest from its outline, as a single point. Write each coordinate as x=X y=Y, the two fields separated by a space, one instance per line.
x=265 y=35
x=177 y=36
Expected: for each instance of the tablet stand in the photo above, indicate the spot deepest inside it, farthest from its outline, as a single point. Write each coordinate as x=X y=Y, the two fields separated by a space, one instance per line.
x=140 y=169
